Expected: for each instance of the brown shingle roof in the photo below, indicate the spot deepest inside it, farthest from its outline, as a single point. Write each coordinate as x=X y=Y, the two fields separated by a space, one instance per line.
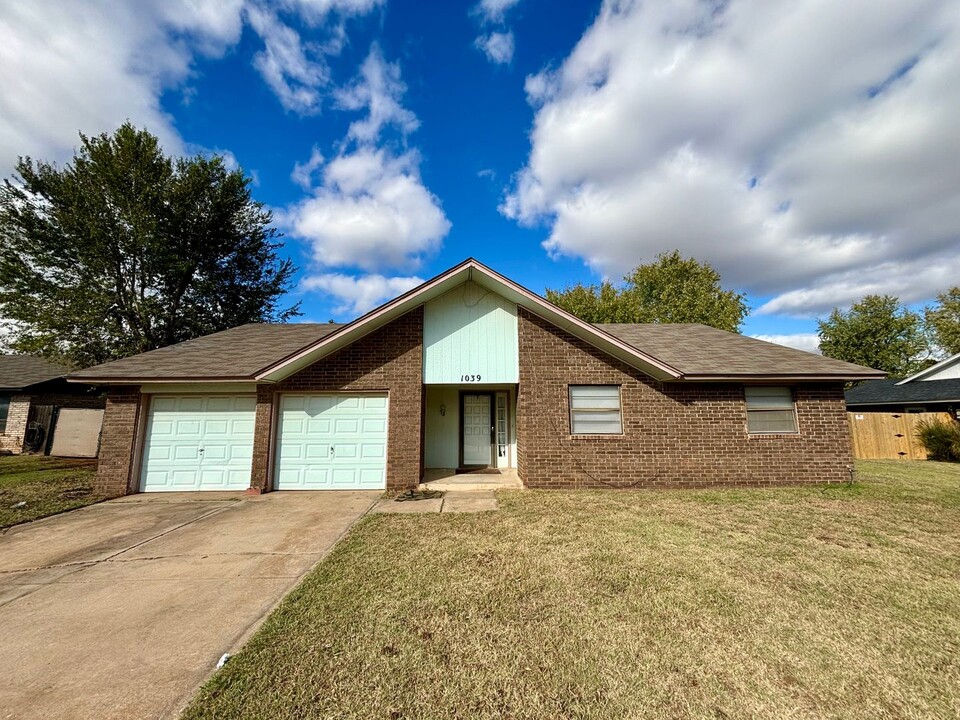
x=694 y=350
x=700 y=350
x=20 y=371
x=235 y=354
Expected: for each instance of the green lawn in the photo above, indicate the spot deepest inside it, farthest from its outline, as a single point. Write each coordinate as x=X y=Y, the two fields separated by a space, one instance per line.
x=47 y=485
x=841 y=602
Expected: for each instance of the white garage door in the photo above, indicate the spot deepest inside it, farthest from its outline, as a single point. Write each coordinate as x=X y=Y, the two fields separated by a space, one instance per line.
x=332 y=442
x=198 y=443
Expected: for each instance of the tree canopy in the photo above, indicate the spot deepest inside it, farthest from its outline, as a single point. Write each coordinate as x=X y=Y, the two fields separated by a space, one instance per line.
x=943 y=321
x=125 y=250
x=877 y=332
x=672 y=289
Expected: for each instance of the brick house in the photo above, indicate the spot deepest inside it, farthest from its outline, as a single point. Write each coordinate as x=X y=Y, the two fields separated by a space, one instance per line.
x=36 y=401
x=471 y=372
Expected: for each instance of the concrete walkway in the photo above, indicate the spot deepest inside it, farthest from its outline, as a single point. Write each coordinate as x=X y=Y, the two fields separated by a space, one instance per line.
x=450 y=502
x=122 y=609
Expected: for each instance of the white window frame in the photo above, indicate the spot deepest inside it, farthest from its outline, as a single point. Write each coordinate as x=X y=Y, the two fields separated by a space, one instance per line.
x=781 y=408
x=572 y=412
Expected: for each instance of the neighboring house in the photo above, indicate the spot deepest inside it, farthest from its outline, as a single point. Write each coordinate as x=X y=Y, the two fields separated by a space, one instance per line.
x=470 y=370
x=41 y=412
x=936 y=389
x=948 y=369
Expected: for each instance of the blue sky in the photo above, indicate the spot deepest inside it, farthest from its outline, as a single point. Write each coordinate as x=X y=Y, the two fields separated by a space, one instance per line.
x=807 y=151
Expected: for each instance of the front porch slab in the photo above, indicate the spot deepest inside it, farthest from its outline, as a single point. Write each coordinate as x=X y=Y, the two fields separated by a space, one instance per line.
x=448 y=480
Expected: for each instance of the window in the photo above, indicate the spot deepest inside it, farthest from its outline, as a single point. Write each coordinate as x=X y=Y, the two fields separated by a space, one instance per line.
x=501 y=426
x=4 y=409
x=770 y=410
x=595 y=410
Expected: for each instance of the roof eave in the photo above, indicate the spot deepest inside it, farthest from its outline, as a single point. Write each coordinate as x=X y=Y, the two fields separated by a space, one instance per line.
x=779 y=377
x=135 y=380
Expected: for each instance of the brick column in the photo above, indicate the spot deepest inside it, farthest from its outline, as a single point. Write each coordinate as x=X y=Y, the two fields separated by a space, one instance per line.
x=260 y=480
x=118 y=442
x=17 y=414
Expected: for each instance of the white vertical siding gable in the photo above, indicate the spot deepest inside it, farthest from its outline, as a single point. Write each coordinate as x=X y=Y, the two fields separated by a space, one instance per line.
x=470 y=332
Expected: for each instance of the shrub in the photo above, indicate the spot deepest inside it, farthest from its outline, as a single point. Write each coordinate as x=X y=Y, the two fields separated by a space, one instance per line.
x=940 y=438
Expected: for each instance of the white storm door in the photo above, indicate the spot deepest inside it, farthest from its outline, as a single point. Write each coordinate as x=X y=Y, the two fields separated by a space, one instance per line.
x=198 y=443
x=477 y=446
x=332 y=442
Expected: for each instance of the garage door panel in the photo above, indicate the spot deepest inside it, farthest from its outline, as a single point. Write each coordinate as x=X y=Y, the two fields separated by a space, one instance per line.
x=345 y=451
x=186 y=452
x=241 y=453
x=316 y=451
x=330 y=441
x=186 y=428
x=191 y=404
x=214 y=427
x=373 y=426
x=317 y=426
x=179 y=427
x=243 y=426
x=372 y=451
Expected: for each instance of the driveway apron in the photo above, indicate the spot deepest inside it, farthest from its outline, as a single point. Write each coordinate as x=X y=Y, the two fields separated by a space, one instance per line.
x=122 y=609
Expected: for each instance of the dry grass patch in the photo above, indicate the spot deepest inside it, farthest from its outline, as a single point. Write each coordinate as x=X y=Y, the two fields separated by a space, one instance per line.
x=779 y=603
x=47 y=485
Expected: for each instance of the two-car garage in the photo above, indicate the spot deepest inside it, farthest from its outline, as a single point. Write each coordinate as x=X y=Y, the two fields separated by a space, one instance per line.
x=323 y=442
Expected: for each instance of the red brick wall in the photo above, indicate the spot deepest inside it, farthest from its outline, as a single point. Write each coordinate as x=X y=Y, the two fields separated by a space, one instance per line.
x=675 y=434
x=118 y=442
x=389 y=359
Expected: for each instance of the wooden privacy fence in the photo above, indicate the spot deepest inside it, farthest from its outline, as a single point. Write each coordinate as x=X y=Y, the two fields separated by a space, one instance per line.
x=888 y=436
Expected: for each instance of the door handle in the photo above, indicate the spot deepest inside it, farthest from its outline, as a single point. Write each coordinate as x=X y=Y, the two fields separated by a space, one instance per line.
x=333 y=452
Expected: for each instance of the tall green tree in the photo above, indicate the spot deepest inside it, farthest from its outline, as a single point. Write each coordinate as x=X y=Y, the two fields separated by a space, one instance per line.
x=877 y=332
x=943 y=321
x=672 y=289
x=125 y=250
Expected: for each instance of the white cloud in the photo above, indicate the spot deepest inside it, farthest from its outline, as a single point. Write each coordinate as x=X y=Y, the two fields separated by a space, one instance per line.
x=358 y=295
x=494 y=10
x=809 y=342
x=295 y=71
x=378 y=89
x=303 y=173
x=372 y=212
x=805 y=149
x=497 y=46
x=88 y=66
x=371 y=209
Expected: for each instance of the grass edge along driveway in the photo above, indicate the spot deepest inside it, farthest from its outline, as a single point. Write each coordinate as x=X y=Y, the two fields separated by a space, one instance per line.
x=837 y=602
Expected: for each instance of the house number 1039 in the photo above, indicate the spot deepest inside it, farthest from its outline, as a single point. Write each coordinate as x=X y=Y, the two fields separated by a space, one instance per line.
x=469 y=378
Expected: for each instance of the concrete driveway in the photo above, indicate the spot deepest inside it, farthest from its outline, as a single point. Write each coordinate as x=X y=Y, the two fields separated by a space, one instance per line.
x=122 y=609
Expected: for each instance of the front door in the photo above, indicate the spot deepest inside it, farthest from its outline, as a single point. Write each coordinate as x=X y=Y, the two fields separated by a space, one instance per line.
x=477 y=430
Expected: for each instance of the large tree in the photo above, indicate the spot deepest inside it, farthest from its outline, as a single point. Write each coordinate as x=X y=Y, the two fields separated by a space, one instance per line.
x=877 y=332
x=943 y=321
x=672 y=289
x=125 y=250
